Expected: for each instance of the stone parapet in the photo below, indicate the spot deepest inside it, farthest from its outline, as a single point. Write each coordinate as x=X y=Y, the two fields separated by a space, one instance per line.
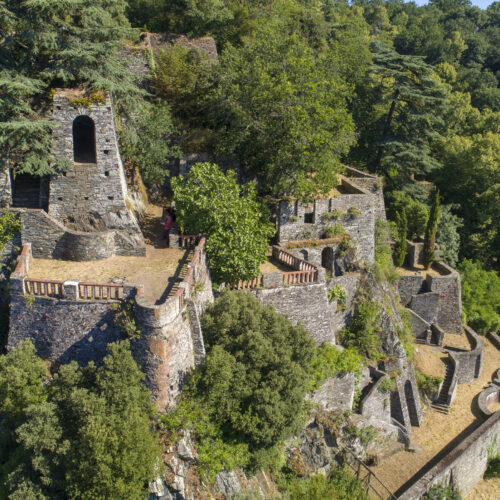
x=469 y=363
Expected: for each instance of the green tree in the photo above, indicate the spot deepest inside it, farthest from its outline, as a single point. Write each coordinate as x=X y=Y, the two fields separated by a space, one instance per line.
x=47 y=44
x=211 y=202
x=84 y=434
x=282 y=110
x=480 y=296
x=430 y=232
x=256 y=373
x=399 y=252
x=447 y=234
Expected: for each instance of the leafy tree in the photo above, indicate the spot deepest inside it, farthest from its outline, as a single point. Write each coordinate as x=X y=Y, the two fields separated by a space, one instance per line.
x=211 y=202
x=144 y=141
x=282 y=110
x=399 y=252
x=417 y=213
x=480 y=296
x=256 y=373
x=430 y=232
x=84 y=434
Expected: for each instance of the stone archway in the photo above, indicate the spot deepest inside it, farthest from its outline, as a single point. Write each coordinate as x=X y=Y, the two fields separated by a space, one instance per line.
x=84 y=150
x=304 y=254
x=327 y=259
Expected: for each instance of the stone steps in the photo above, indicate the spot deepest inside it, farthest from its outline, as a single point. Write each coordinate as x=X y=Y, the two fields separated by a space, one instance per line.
x=441 y=403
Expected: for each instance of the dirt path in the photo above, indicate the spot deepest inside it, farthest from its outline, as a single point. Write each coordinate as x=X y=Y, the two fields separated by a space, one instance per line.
x=438 y=429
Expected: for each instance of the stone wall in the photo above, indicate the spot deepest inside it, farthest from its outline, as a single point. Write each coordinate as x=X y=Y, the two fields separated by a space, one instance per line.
x=463 y=467
x=292 y=218
x=372 y=184
x=305 y=303
x=376 y=403
x=426 y=305
x=91 y=195
x=450 y=297
x=469 y=363
x=342 y=313
x=52 y=240
x=409 y=285
x=5 y=189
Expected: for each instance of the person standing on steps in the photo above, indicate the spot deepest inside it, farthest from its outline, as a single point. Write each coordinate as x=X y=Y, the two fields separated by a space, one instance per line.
x=169 y=222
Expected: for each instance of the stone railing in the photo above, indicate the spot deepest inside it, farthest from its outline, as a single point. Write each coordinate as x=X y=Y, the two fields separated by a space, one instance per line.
x=300 y=277
x=188 y=241
x=291 y=261
x=70 y=289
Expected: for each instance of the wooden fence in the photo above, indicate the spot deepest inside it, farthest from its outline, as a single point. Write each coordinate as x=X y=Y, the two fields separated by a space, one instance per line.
x=43 y=288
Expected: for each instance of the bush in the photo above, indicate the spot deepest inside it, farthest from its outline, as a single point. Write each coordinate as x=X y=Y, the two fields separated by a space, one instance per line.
x=493 y=469
x=440 y=492
x=384 y=267
x=427 y=384
x=334 y=230
x=334 y=214
x=339 y=294
x=362 y=332
x=332 y=362
x=387 y=385
x=354 y=212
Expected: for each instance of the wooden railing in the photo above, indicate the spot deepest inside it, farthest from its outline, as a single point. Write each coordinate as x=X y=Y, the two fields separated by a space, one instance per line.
x=100 y=291
x=290 y=260
x=248 y=284
x=298 y=277
x=43 y=288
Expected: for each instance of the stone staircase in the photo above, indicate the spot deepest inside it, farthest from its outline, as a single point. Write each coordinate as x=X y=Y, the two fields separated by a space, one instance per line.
x=441 y=404
x=180 y=274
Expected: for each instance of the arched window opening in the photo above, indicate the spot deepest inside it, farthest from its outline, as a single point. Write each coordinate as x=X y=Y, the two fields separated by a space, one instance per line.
x=84 y=140
x=327 y=259
x=304 y=254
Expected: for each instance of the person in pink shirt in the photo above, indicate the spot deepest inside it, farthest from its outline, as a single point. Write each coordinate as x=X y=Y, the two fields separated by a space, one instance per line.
x=167 y=226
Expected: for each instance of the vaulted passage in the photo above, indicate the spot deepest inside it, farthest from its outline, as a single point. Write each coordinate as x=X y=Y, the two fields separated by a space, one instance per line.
x=84 y=140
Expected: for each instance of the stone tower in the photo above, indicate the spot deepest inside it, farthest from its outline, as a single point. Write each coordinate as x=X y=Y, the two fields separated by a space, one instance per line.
x=91 y=194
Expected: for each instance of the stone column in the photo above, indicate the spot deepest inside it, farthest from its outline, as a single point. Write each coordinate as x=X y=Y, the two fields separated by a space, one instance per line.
x=70 y=290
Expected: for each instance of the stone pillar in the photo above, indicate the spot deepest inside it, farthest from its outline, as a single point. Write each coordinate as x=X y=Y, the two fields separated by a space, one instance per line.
x=70 y=290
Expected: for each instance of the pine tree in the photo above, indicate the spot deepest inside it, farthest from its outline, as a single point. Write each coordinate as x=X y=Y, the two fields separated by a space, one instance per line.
x=399 y=253
x=415 y=100
x=430 y=232
x=46 y=44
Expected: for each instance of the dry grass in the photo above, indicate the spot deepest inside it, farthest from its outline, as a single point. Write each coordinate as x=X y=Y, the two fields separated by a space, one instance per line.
x=418 y=270
x=155 y=271
x=438 y=429
x=272 y=266
x=488 y=489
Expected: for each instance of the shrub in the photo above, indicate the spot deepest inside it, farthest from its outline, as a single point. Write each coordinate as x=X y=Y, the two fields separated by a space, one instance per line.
x=334 y=230
x=354 y=212
x=124 y=318
x=332 y=362
x=339 y=294
x=334 y=214
x=493 y=469
x=399 y=253
x=293 y=218
x=480 y=297
x=384 y=267
x=387 y=385
x=440 y=492
x=427 y=384
x=10 y=225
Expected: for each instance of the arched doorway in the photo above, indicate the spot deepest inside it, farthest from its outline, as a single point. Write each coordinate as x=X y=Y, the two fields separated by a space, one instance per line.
x=327 y=259
x=304 y=254
x=84 y=140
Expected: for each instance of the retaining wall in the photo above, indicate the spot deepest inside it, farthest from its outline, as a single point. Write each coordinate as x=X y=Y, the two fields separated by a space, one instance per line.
x=469 y=363
x=305 y=303
x=463 y=466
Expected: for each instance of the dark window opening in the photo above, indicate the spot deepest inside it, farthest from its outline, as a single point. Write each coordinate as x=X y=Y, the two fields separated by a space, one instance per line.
x=328 y=259
x=29 y=191
x=111 y=197
x=85 y=197
x=304 y=254
x=106 y=151
x=106 y=173
x=84 y=140
x=309 y=213
x=60 y=198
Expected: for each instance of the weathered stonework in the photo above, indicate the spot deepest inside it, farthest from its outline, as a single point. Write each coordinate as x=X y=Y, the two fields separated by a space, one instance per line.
x=358 y=209
x=305 y=303
x=91 y=196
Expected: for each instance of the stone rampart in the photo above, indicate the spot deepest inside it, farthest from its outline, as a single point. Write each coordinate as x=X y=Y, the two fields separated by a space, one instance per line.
x=409 y=285
x=50 y=239
x=462 y=467
x=420 y=327
x=307 y=304
x=66 y=326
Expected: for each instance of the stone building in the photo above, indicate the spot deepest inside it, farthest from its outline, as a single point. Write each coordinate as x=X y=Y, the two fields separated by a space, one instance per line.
x=89 y=197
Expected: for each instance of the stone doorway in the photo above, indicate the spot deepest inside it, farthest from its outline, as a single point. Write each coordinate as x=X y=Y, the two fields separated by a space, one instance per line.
x=84 y=150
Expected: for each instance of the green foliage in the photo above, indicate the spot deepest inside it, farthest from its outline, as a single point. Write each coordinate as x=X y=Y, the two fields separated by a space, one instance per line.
x=427 y=384
x=124 y=318
x=53 y=44
x=182 y=78
x=334 y=214
x=430 y=231
x=334 y=230
x=29 y=299
x=354 y=212
x=340 y=485
x=440 y=492
x=387 y=385
x=417 y=213
x=339 y=294
x=10 y=225
x=332 y=362
x=243 y=382
x=249 y=393
x=211 y=202
x=384 y=267
x=493 y=469
x=447 y=235
x=362 y=332
x=480 y=297
x=277 y=93
x=83 y=434
x=399 y=252
x=145 y=143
